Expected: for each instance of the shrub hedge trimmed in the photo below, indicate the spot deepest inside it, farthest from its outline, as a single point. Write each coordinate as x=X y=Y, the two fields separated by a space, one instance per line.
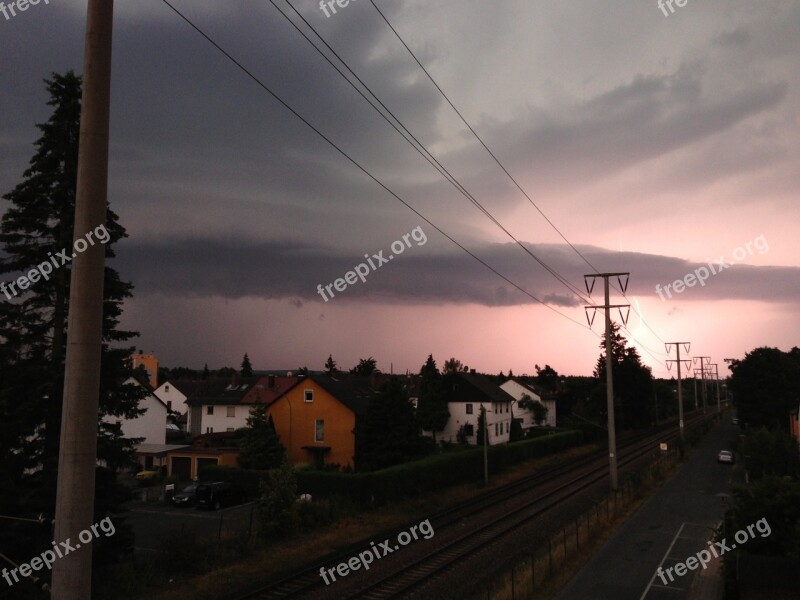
x=406 y=480
x=434 y=472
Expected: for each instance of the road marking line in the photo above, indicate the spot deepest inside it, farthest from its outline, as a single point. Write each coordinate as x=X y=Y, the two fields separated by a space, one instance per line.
x=666 y=554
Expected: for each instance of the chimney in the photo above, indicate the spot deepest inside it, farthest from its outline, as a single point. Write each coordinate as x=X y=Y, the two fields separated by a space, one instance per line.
x=235 y=379
x=270 y=381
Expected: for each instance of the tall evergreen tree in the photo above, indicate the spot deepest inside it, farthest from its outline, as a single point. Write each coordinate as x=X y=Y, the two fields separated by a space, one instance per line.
x=432 y=411
x=260 y=446
x=633 y=382
x=330 y=365
x=39 y=224
x=388 y=434
x=247 y=368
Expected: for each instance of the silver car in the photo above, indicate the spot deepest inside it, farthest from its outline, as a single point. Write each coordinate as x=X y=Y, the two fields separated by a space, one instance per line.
x=725 y=456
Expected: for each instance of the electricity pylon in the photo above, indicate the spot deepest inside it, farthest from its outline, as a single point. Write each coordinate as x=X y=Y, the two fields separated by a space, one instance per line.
x=612 y=435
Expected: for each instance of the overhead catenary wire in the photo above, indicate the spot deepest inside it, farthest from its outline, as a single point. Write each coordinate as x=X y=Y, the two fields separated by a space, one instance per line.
x=358 y=165
x=494 y=156
x=416 y=144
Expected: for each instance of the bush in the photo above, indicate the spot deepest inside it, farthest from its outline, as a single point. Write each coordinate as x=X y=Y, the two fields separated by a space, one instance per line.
x=431 y=473
x=249 y=480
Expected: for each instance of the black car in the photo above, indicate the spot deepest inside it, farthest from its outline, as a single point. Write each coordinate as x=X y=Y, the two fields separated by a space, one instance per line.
x=186 y=497
x=217 y=495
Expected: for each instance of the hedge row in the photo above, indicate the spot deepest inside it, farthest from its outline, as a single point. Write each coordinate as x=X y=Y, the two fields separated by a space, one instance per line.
x=409 y=479
x=435 y=472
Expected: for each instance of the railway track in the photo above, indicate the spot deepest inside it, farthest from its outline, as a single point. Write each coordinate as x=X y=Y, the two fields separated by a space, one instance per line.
x=412 y=572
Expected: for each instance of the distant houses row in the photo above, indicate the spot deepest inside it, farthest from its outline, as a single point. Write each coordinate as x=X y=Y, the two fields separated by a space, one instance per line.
x=315 y=415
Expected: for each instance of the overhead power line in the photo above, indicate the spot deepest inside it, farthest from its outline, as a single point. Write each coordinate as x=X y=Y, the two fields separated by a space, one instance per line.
x=356 y=163
x=409 y=136
x=494 y=156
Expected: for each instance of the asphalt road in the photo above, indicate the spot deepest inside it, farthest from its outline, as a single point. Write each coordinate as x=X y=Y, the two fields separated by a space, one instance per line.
x=154 y=524
x=671 y=526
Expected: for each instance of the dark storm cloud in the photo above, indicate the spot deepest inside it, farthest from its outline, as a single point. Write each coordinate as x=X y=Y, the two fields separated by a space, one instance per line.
x=208 y=268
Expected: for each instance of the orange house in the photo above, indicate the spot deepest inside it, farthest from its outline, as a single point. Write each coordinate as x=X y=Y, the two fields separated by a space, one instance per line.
x=316 y=418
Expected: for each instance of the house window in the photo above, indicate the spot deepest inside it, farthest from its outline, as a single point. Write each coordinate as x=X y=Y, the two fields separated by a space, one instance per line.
x=166 y=388
x=308 y=395
x=469 y=409
x=319 y=430
x=169 y=404
x=508 y=426
x=469 y=429
x=495 y=430
x=209 y=430
x=209 y=410
x=231 y=411
x=229 y=429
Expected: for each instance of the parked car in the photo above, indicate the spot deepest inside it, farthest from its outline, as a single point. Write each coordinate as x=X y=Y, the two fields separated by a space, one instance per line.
x=725 y=456
x=186 y=497
x=217 y=495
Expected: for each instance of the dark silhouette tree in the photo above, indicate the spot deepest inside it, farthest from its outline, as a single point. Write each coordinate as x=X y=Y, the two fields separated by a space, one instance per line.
x=39 y=225
x=365 y=367
x=633 y=383
x=388 y=434
x=246 y=369
x=432 y=410
x=330 y=365
x=547 y=378
x=260 y=446
x=452 y=365
x=765 y=386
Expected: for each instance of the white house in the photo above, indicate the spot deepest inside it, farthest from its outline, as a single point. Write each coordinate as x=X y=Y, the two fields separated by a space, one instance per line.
x=220 y=405
x=516 y=388
x=151 y=425
x=170 y=394
x=465 y=394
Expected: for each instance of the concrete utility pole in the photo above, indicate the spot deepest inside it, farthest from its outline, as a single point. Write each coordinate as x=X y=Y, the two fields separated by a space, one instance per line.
x=485 y=447
x=686 y=346
x=716 y=377
x=612 y=435
x=703 y=376
x=72 y=574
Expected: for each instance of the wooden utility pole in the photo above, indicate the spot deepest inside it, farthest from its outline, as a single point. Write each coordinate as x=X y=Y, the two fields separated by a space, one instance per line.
x=612 y=435
x=680 y=385
x=72 y=574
